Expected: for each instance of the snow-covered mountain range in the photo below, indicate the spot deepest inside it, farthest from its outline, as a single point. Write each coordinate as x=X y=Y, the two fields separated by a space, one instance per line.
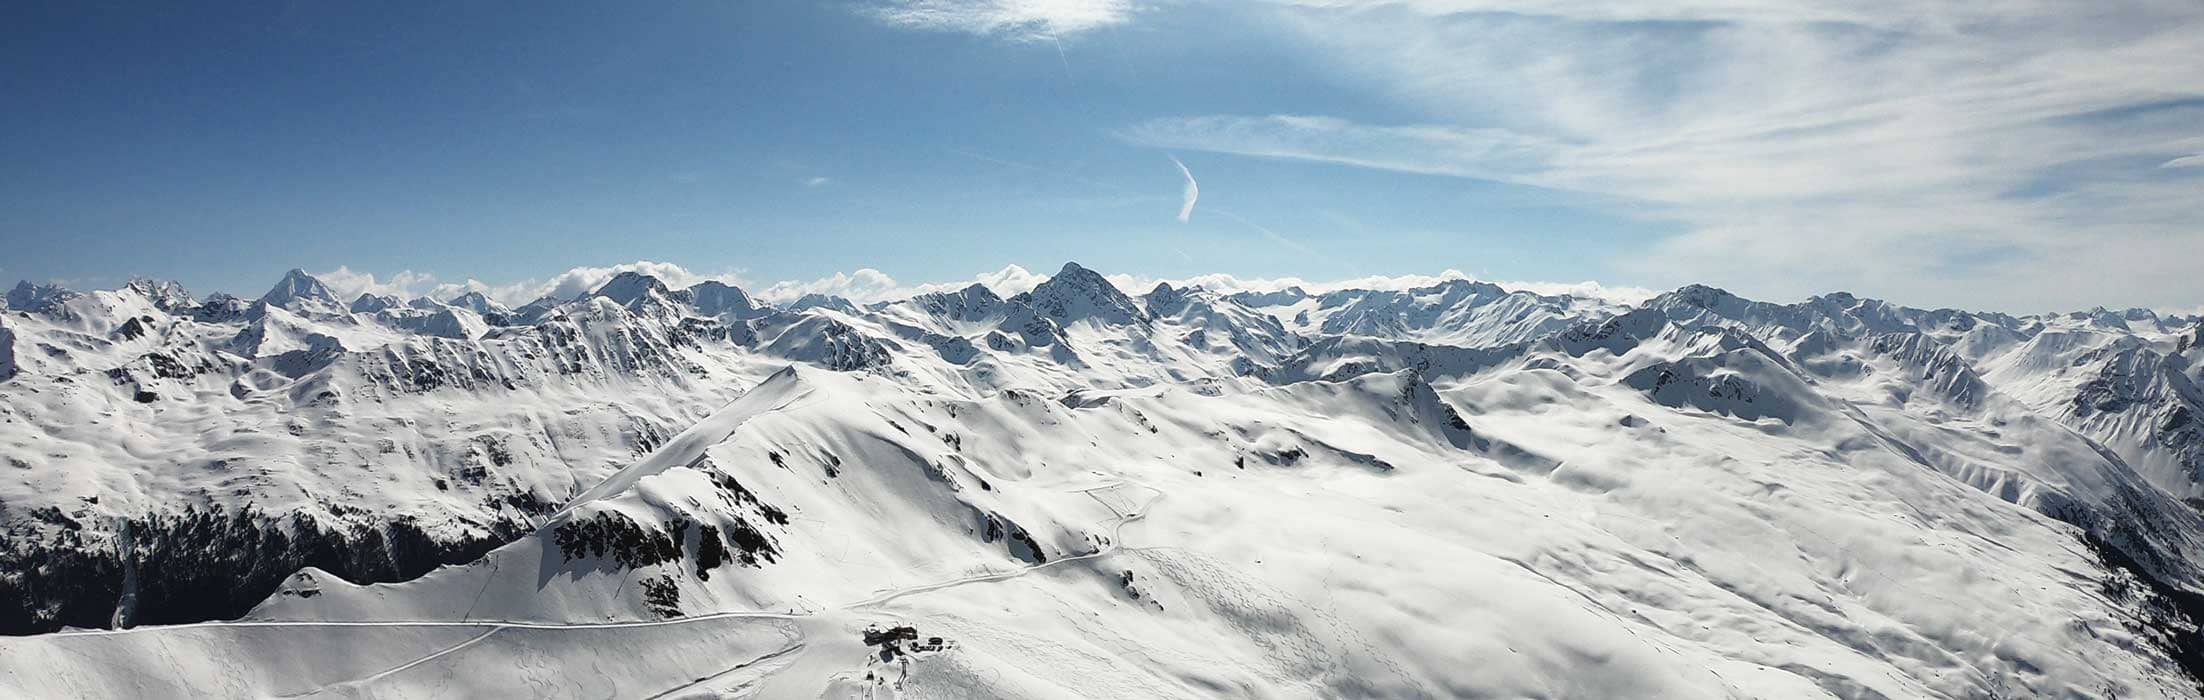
x=1451 y=491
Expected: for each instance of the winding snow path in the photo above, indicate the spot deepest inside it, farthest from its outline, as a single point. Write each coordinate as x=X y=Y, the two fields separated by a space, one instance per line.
x=492 y=627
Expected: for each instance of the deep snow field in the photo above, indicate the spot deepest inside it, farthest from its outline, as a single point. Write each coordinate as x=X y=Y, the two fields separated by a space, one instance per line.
x=1451 y=492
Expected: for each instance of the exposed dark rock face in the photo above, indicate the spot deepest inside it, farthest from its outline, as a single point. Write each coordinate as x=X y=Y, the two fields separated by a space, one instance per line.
x=205 y=564
x=7 y=352
x=634 y=545
x=2167 y=618
x=1021 y=543
x=662 y=596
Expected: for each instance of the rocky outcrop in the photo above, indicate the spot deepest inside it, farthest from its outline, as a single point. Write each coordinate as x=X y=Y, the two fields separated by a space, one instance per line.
x=203 y=564
x=7 y=352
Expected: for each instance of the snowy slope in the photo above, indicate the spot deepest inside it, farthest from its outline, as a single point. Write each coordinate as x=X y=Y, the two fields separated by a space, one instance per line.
x=1449 y=492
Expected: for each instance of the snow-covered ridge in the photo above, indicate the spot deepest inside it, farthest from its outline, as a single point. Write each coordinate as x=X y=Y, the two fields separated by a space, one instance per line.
x=1721 y=496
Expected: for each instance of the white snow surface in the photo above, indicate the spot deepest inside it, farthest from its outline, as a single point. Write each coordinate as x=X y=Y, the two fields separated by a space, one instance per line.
x=1456 y=491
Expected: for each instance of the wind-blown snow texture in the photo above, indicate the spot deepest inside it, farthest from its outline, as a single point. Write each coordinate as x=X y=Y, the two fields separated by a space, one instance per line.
x=1453 y=491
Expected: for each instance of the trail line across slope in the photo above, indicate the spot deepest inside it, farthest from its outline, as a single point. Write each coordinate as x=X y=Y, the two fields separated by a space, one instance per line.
x=1114 y=544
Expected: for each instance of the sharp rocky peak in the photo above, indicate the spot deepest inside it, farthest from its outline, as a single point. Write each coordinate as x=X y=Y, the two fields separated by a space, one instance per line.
x=816 y=300
x=979 y=292
x=715 y=298
x=166 y=295
x=478 y=302
x=371 y=303
x=34 y=297
x=630 y=287
x=1280 y=297
x=297 y=287
x=1077 y=292
x=1701 y=295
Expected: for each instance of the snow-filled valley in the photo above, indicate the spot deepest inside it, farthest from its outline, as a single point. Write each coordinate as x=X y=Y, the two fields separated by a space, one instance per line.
x=1078 y=492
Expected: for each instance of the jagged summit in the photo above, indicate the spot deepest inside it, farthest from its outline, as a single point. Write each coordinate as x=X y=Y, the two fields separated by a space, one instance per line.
x=974 y=301
x=631 y=289
x=600 y=471
x=368 y=303
x=1164 y=299
x=36 y=297
x=1702 y=296
x=479 y=303
x=817 y=300
x=166 y=295
x=298 y=288
x=715 y=298
x=1077 y=293
x=1282 y=297
x=534 y=311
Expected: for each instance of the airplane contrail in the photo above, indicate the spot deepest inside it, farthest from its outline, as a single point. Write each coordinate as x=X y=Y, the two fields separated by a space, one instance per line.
x=1193 y=191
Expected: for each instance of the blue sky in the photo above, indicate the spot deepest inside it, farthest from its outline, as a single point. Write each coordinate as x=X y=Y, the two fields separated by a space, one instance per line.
x=1973 y=155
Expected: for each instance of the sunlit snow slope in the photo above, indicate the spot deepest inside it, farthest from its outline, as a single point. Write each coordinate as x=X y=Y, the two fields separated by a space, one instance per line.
x=1456 y=491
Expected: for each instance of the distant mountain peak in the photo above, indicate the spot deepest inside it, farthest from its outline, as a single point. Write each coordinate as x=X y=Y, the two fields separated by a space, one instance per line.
x=976 y=290
x=370 y=303
x=1077 y=292
x=816 y=300
x=297 y=287
x=1164 y=298
x=1701 y=295
x=630 y=287
x=166 y=295
x=479 y=303
x=36 y=297
x=715 y=298
x=1282 y=297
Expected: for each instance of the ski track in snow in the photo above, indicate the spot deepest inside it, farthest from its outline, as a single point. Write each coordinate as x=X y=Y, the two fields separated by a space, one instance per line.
x=1695 y=496
x=494 y=626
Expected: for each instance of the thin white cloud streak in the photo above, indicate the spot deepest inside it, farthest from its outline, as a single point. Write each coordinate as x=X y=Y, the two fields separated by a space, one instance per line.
x=1938 y=153
x=1052 y=172
x=1022 y=20
x=1190 y=194
x=1272 y=236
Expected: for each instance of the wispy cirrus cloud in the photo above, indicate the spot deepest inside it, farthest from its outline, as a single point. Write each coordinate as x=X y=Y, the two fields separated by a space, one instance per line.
x=1015 y=19
x=2015 y=155
x=1491 y=154
x=1191 y=193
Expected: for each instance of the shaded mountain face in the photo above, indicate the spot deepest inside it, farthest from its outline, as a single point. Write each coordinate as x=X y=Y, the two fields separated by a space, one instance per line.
x=823 y=301
x=36 y=297
x=371 y=303
x=1172 y=494
x=1454 y=312
x=479 y=304
x=631 y=289
x=1076 y=294
x=297 y=289
x=722 y=300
